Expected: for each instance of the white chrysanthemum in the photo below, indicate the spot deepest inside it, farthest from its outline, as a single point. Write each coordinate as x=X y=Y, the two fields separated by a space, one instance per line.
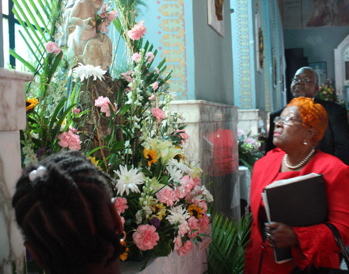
x=128 y=180
x=86 y=71
x=178 y=214
x=175 y=173
x=207 y=194
x=184 y=167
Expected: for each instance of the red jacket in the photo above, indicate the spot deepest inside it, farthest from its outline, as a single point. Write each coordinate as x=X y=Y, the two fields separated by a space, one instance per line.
x=317 y=244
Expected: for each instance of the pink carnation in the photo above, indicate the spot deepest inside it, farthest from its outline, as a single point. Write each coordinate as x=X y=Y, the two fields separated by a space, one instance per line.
x=183 y=228
x=183 y=134
x=203 y=224
x=104 y=103
x=158 y=113
x=166 y=196
x=127 y=76
x=185 y=248
x=181 y=191
x=137 y=31
x=202 y=204
x=197 y=181
x=112 y=15
x=188 y=182
x=76 y=110
x=177 y=242
x=69 y=140
x=150 y=56
x=152 y=97
x=52 y=47
x=136 y=57
x=194 y=226
x=145 y=237
x=120 y=204
x=155 y=85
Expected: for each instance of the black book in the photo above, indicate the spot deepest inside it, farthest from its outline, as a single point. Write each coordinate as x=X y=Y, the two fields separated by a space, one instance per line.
x=299 y=201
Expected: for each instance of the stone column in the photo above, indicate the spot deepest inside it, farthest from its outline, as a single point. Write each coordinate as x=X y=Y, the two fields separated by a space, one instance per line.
x=13 y=119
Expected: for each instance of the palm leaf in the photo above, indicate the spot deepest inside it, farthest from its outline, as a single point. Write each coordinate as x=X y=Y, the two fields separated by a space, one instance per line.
x=26 y=63
x=38 y=25
x=229 y=240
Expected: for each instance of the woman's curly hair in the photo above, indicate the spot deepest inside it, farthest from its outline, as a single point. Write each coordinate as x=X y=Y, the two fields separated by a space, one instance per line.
x=313 y=115
x=65 y=213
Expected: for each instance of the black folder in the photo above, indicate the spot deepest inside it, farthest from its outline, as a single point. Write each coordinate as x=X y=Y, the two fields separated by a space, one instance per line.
x=299 y=201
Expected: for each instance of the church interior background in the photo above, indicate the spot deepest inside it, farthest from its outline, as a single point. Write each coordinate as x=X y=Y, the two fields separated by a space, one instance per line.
x=228 y=72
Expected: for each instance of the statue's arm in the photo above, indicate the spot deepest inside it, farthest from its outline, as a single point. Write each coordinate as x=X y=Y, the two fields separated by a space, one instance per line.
x=76 y=13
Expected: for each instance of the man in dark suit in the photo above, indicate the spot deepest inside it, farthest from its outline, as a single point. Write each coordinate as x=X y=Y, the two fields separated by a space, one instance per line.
x=336 y=138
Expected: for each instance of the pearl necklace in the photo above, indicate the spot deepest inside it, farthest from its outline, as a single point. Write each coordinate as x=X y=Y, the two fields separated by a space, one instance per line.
x=301 y=163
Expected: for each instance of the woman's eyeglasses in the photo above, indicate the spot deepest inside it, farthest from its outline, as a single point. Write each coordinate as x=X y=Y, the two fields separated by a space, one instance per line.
x=302 y=80
x=286 y=120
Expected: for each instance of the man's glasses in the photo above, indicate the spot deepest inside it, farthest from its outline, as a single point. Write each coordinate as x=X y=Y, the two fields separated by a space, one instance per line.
x=286 y=120
x=302 y=80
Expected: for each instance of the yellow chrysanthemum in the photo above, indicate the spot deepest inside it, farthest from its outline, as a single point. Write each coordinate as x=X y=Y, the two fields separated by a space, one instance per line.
x=31 y=103
x=159 y=210
x=151 y=156
x=195 y=211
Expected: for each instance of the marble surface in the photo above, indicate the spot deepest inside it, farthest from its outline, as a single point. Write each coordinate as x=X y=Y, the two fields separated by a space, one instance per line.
x=253 y=120
x=12 y=94
x=13 y=118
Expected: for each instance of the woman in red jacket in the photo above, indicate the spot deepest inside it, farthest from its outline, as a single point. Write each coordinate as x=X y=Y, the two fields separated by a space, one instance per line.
x=297 y=131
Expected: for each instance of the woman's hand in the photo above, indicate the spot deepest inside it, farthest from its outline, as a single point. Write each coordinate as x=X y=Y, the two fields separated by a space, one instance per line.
x=281 y=235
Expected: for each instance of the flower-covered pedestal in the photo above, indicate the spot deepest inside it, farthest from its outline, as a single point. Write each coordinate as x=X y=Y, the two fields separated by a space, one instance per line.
x=125 y=125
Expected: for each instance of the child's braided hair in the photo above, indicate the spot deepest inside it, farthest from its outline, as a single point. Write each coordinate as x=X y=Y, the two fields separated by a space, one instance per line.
x=65 y=212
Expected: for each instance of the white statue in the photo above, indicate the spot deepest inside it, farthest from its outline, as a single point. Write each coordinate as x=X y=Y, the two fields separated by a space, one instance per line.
x=85 y=42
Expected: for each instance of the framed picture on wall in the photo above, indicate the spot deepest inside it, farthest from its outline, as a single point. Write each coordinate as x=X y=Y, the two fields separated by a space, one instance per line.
x=215 y=12
x=321 y=69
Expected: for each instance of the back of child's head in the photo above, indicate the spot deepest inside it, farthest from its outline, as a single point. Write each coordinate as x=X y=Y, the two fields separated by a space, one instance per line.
x=64 y=209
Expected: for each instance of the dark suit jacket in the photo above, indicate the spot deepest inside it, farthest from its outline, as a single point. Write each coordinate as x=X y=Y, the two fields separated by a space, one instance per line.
x=336 y=138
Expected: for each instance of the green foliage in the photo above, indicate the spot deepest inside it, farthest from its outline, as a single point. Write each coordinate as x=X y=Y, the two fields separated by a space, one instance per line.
x=228 y=246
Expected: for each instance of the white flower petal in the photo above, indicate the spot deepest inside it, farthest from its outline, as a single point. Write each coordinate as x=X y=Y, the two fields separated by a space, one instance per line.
x=128 y=180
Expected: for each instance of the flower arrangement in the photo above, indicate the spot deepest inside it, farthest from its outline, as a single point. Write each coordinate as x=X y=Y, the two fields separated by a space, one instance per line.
x=125 y=125
x=327 y=92
x=249 y=148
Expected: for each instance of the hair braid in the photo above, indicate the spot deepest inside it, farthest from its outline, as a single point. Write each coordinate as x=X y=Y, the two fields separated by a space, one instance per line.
x=65 y=213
